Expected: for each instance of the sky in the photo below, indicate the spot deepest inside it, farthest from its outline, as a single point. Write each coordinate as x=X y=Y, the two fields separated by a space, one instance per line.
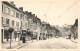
x=55 y=12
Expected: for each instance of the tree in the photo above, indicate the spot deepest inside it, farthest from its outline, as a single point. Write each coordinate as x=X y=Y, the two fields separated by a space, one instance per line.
x=10 y=30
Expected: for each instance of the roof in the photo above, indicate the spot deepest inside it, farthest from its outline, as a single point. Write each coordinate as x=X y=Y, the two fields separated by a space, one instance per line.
x=7 y=3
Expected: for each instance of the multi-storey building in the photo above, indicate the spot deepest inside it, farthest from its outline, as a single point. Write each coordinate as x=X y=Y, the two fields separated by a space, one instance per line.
x=38 y=26
x=10 y=18
x=23 y=19
x=44 y=30
x=34 y=25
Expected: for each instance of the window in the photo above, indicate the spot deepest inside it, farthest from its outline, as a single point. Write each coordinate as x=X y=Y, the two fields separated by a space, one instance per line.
x=7 y=10
x=26 y=17
x=3 y=8
x=13 y=13
x=20 y=16
x=2 y=20
x=23 y=18
x=21 y=23
x=25 y=24
x=12 y=22
x=7 y=21
x=17 y=24
x=17 y=15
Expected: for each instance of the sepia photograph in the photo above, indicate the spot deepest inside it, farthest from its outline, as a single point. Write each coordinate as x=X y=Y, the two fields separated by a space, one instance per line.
x=39 y=24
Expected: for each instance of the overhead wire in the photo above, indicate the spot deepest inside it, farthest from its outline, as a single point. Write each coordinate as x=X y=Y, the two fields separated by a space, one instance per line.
x=48 y=9
x=68 y=8
x=64 y=11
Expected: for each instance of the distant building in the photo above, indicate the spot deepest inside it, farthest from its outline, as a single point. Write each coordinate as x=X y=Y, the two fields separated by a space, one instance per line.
x=74 y=30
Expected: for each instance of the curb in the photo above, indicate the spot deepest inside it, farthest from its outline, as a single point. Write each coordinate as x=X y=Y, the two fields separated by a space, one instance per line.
x=20 y=46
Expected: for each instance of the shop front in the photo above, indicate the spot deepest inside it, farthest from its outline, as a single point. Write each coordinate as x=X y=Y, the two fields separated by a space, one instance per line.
x=4 y=33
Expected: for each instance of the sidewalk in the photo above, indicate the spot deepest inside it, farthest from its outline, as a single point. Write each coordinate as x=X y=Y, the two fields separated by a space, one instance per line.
x=14 y=44
x=24 y=44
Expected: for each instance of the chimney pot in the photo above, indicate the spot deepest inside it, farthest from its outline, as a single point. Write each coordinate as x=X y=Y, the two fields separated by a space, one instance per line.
x=21 y=8
x=33 y=14
x=30 y=12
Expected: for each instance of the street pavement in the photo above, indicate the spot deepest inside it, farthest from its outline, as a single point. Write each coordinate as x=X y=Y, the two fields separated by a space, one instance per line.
x=14 y=44
x=53 y=43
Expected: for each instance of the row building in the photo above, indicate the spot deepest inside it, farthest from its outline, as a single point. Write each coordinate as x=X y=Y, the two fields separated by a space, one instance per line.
x=20 y=20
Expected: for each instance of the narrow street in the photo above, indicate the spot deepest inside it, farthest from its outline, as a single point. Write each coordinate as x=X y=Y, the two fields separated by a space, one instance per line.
x=46 y=24
x=54 y=43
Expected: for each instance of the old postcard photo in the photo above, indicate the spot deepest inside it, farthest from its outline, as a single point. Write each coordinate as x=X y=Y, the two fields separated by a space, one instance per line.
x=39 y=24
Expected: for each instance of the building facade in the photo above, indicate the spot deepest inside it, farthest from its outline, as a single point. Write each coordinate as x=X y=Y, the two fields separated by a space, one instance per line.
x=10 y=18
x=21 y=20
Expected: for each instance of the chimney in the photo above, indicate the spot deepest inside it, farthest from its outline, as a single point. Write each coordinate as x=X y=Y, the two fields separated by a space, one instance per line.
x=21 y=8
x=30 y=12
x=33 y=14
x=26 y=12
x=12 y=3
x=36 y=16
